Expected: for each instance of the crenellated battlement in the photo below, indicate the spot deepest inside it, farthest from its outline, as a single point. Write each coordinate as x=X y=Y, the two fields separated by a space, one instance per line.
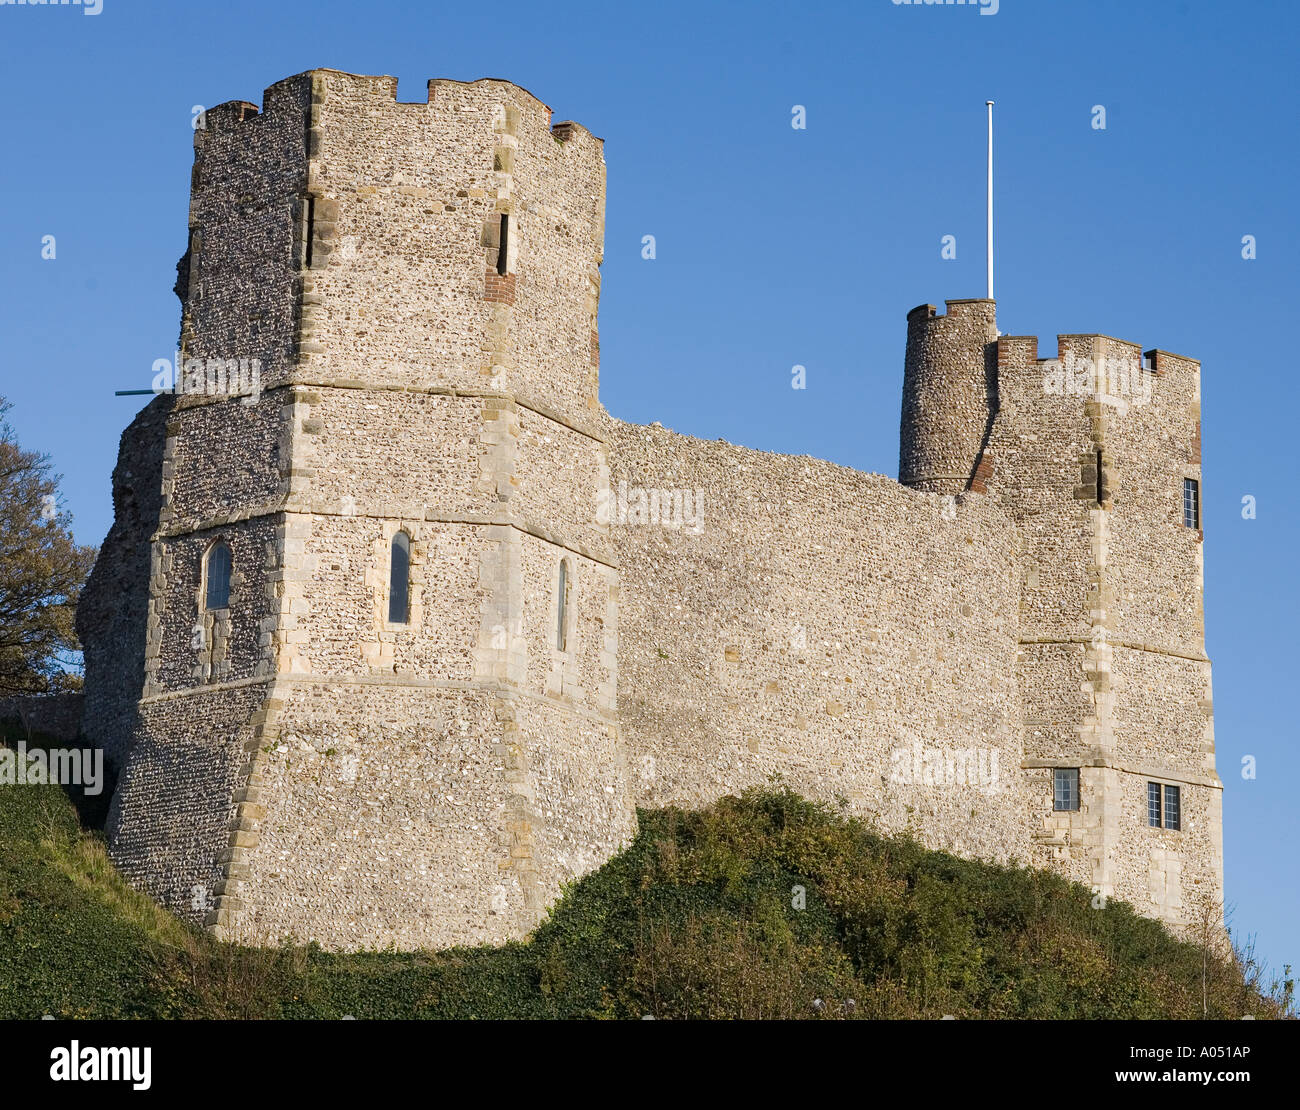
x=1098 y=368
x=441 y=93
x=225 y=117
x=1019 y=352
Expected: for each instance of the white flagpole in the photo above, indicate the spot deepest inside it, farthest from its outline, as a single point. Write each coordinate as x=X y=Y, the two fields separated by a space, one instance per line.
x=989 y=244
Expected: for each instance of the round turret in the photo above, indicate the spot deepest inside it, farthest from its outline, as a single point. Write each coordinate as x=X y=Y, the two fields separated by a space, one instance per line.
x=949 y=394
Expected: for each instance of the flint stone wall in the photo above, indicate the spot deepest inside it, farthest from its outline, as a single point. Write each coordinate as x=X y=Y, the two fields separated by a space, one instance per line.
x=820 y=621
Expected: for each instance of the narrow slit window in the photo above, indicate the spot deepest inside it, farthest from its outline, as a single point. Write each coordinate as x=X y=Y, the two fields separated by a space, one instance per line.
x=217 y=573
x=1065 y=792
x=308 y=229
x=399 y=580
x=503 y=247
x=1191 y=503
x=562 y=607
x=1103 y=493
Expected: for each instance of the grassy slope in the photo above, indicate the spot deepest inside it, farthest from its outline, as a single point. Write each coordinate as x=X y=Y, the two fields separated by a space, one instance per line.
x=694 y=919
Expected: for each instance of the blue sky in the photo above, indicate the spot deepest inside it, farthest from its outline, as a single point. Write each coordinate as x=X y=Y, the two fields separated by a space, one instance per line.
x=775 y=246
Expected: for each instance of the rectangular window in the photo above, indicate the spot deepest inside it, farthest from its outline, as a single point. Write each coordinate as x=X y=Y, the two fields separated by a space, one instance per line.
x=1172 y=807
x=1065 y=792
x=1164 y=806
x=1191 y=503
x=399 y=580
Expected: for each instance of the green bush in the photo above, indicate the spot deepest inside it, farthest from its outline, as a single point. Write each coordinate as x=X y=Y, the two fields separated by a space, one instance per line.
x=698 y=918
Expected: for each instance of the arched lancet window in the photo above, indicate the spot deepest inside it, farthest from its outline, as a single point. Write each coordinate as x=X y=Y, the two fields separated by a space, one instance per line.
x=217 y=575
x=562 y=607
x=399 y=580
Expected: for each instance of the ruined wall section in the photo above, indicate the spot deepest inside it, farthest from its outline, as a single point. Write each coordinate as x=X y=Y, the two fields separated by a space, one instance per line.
x=820 y=621
x=113 y=613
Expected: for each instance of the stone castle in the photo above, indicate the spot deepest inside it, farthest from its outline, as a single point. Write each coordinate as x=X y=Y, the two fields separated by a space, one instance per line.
x=389 y=647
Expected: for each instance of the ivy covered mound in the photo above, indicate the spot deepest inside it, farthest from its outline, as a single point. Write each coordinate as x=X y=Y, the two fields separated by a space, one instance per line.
x=766 y=906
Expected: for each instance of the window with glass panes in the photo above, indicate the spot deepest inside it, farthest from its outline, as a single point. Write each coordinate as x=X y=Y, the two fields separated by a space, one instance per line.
x=1191 y=503
x=1164 y=806
x=1065 y=789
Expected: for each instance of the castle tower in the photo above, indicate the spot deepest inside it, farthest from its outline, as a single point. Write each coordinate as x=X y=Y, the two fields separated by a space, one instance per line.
x=379 y=683
x=358 y=619
x=1096 y=456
